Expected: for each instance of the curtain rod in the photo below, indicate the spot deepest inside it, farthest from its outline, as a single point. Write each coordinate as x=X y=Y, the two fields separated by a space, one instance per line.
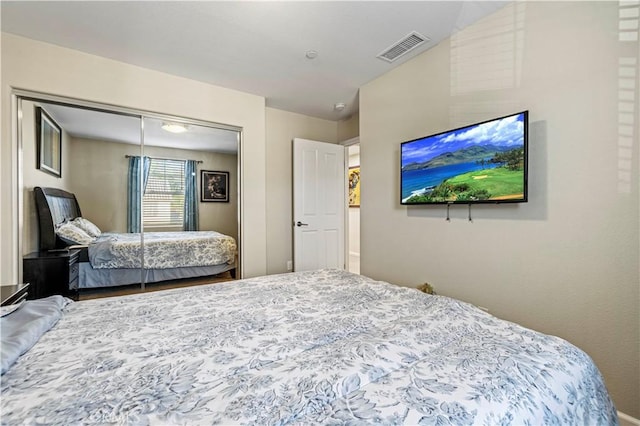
x=160 y=158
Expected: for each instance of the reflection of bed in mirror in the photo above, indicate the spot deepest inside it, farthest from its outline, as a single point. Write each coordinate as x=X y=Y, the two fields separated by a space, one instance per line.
x=115 y=259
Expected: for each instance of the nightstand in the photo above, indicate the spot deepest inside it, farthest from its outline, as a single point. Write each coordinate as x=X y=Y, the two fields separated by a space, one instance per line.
x=12 y=294
x=51 y=272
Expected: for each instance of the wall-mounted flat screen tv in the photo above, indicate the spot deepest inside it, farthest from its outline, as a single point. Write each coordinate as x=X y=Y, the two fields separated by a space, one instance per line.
x=481 y=163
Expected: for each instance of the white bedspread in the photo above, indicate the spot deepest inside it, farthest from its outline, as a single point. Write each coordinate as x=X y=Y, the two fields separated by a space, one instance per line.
x=324 y=347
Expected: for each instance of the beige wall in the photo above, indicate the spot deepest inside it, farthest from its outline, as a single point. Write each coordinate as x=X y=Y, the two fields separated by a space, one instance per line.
x=349 y=128
x=6 y=183
x=99 y=181
x=41 y=67
x=567 y=262
x=282 y=128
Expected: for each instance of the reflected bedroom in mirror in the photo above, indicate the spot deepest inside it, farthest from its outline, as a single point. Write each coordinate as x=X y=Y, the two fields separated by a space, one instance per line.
x=119 y=210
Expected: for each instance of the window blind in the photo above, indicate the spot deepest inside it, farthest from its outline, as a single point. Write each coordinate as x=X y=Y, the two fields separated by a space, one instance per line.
x=163 y=198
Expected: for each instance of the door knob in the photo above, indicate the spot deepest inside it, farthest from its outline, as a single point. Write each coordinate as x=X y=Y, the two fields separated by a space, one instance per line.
x=298 y=223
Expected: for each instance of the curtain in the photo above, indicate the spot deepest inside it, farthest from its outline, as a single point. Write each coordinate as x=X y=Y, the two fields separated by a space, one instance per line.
x=135 y=190
x=190 y=196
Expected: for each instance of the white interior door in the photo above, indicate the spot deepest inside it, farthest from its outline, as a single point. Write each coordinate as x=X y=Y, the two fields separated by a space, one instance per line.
x=318 y=205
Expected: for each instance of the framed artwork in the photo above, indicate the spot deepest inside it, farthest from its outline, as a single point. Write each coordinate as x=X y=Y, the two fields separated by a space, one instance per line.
x=214 y=186
x=354 y=186
x=49 y=143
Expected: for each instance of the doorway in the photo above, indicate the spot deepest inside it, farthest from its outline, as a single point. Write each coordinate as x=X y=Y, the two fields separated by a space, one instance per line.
x=353 y=208
x=318 y=205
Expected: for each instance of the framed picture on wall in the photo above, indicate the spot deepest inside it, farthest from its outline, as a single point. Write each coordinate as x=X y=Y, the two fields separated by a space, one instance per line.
x=214 y=186
x=354 y=186
x=49 y=143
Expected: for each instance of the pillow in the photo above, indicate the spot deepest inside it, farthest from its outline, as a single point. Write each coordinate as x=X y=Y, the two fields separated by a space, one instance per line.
x=24 y=327
x=87 y=226
x=7 y=309
x=71 y=234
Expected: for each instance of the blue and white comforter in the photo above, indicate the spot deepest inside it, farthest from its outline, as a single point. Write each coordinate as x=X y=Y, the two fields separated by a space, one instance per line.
x=323 y=347
x=162 y=250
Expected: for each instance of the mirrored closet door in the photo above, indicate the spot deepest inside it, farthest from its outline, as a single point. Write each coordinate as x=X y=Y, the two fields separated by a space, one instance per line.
x=158 y=198
x=189 y=202
x=90 y=182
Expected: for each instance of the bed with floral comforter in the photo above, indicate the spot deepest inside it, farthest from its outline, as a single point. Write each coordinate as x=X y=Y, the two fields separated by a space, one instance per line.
x=323 y=347
x=115 y=259
x=162 y=250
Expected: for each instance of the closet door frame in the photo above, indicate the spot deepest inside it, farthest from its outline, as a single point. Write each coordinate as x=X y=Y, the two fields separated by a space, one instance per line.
x=18 y=95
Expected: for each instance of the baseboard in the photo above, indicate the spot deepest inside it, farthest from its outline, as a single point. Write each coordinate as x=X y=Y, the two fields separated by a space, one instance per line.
x=627 y=420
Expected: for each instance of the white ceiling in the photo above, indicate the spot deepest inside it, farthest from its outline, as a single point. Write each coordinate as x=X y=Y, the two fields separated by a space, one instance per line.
x=255 y=47
x=104 y=126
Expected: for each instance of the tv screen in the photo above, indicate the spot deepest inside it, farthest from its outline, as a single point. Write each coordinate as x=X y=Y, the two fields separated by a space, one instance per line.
x=481 y=163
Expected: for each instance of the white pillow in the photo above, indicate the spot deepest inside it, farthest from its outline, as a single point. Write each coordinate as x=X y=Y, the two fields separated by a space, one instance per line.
x=87 y=226
x=71 y=234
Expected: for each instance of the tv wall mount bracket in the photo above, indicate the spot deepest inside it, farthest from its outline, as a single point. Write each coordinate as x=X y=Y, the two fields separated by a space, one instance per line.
x=448 y=219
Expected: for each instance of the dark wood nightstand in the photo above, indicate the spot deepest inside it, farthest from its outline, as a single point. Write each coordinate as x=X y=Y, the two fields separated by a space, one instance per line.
x=12 y=294
x=51 y=272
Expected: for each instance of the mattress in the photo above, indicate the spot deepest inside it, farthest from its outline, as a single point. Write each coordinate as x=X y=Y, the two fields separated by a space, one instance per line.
x=89 y=277
x=321 y=347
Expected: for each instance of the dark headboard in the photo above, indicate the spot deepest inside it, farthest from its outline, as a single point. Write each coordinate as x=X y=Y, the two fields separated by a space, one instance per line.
x=54 y=207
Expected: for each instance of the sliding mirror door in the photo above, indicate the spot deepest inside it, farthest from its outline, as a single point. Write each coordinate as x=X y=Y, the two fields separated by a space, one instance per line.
x=140 y=184
x=189 y=202
x=88 y=148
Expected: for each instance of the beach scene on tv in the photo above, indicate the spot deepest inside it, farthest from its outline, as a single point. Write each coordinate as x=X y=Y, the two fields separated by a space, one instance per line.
x=482 y=162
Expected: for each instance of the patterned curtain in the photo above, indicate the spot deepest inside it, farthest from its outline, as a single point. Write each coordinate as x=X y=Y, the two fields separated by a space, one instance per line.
x=135 y=191
x=190 y=196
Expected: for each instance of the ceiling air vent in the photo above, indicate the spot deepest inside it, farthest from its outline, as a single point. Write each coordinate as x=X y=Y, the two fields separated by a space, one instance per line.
x=402 y=47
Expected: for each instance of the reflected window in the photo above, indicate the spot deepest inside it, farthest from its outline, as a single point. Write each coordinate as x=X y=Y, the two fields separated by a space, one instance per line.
x=163 y=198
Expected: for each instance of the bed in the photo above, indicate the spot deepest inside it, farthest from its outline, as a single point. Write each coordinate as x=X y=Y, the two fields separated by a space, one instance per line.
x=114 y=259
x=320 y=347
